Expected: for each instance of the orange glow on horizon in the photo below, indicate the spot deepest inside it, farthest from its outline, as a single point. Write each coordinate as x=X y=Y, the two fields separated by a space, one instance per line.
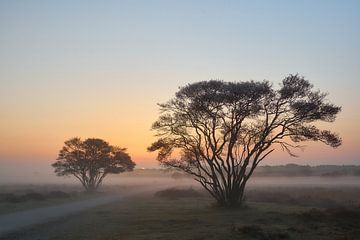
x=35 y=129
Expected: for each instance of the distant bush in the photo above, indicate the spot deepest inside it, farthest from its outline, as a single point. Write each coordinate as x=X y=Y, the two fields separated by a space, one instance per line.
x=174 y=193
x=10 y=197
x=34 y=196
x=58 y=194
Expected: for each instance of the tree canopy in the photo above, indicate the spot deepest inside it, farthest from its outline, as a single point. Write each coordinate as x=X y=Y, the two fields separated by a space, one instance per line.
x=220 y=131
x=91 y=160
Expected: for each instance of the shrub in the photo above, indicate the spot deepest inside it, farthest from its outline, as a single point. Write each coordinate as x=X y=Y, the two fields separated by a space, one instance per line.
x=174 y=193
x=33 y=196
x=10 y=197
x=58 y=194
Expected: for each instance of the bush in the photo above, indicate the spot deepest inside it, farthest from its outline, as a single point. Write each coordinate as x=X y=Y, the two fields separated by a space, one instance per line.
x=10 y=197
x=58 y=194
x=174 y=193
x=33 y=196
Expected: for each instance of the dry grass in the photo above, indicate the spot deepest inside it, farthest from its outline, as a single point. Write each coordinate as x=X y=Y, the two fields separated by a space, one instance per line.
x=15 y=198
x=193 y=218
x=307 y=196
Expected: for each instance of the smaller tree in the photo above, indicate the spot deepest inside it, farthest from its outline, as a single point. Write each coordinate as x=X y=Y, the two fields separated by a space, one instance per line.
x=91 y=161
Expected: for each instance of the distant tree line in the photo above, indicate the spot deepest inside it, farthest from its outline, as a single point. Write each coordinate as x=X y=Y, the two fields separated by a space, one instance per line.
x=306 y=170
x=287 y=170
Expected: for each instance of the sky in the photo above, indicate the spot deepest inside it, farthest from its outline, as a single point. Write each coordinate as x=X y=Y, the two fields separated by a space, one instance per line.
x=99 y=68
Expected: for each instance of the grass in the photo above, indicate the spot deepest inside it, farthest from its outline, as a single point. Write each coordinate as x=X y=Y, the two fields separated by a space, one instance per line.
x=24 y=197
x=307 y=196
x=176 y=193
x=37 y=200
x=193 y=218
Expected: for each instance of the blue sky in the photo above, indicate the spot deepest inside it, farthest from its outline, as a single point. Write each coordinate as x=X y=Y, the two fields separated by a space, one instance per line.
x=69 y=67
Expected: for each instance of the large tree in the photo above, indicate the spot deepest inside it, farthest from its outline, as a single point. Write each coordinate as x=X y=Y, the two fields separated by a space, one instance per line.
x=220 y=131
x=90 y=161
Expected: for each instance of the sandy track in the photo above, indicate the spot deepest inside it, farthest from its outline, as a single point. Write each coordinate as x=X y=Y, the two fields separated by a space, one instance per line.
x=17 y=220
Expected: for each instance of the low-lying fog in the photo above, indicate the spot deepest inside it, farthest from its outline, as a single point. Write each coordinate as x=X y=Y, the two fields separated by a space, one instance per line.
x=45 y=175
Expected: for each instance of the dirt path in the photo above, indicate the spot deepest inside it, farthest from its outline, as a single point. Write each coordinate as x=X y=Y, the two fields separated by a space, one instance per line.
x=17 y=220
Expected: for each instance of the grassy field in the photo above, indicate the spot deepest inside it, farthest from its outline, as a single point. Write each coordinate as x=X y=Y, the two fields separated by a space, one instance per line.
x=185 y=215
x=15 y=198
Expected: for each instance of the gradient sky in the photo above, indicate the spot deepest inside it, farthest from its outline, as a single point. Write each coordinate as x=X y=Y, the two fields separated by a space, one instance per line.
x=98 y=68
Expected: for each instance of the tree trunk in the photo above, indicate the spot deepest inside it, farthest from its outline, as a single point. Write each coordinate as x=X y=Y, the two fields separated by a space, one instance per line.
x=91 y=188
x=232 y=199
